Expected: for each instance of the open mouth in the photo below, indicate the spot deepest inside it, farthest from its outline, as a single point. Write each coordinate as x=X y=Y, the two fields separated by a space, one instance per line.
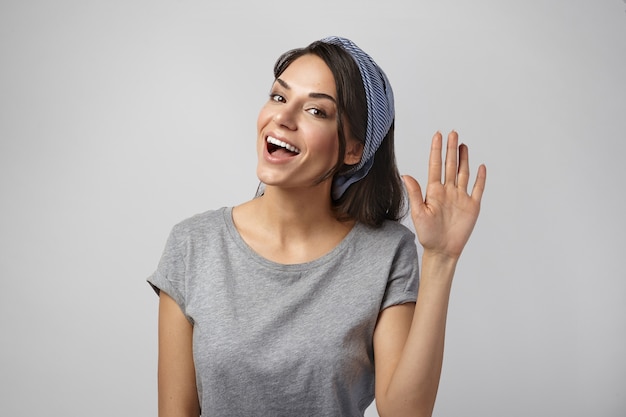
x=277 y=147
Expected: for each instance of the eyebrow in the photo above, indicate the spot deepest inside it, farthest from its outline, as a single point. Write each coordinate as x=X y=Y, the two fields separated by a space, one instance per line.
x=312 y=95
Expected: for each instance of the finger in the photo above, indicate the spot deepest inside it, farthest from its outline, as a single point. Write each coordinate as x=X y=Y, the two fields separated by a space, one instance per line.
x=479 y=184
x=414 y=191
x=451 y=158
x=464 y=173
x=434 y=162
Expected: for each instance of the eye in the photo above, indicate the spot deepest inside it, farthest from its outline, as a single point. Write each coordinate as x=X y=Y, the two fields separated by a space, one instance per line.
x=317 y=112
x=277 y=97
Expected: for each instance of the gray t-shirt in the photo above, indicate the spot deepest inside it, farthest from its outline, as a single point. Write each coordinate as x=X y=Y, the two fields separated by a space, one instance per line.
x=284 y=340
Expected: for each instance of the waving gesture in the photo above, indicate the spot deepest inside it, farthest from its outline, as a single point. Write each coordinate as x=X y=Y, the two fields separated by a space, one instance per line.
x=445 y=217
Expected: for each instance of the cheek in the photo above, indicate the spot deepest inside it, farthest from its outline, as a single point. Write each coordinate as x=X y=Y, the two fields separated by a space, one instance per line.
x=333 y=147
x=333 y=143
x=330 y=145
x=261 y=120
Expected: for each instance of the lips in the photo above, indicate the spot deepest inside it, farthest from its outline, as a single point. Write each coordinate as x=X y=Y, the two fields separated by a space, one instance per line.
x=277 y=147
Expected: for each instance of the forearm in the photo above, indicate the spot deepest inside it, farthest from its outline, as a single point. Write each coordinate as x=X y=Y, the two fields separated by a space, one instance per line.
x=413 y=387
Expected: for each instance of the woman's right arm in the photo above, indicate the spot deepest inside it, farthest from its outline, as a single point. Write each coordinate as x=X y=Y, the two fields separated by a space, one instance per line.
x=178 y=396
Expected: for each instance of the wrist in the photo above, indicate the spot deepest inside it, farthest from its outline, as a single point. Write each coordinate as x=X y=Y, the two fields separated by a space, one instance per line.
x=439 y=258
x=438 y=268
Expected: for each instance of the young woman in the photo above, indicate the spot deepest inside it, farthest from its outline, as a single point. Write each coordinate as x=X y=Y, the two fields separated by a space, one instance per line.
x=303 y=301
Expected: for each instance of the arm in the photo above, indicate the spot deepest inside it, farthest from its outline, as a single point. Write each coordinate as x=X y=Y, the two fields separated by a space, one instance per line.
x=409 y=340
x=408 y=346
x=178 y=396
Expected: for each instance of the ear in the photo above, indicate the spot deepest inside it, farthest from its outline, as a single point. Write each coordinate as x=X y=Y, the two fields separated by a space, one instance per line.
x=354 y=151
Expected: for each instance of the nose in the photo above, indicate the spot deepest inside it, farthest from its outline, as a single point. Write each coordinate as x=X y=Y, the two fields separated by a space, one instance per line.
x=285 y=116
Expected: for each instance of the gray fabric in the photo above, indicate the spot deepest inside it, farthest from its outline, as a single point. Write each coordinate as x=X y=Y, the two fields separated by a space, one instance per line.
x=284 y=340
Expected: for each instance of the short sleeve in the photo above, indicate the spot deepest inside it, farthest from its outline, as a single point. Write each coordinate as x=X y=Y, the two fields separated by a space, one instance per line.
x=170 y=273
x=403 y=281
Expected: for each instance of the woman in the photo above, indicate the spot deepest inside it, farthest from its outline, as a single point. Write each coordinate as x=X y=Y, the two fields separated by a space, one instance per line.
x=303 y=301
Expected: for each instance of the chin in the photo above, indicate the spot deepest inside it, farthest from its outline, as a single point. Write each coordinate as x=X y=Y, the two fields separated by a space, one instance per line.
x=269 y=178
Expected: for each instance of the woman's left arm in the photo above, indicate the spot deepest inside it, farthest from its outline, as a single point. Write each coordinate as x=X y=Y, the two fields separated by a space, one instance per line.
x=409 y=339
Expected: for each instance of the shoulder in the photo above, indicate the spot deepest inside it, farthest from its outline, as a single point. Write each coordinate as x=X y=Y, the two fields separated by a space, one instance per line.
x=201 y=224
x=389 y=231
x=396 y=227
x=390 y=240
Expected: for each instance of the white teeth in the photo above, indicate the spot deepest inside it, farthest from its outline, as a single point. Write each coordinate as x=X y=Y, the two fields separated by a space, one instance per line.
x=282 y=144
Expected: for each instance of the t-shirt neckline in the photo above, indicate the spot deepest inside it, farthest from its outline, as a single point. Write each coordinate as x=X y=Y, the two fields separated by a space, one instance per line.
x=325 y=258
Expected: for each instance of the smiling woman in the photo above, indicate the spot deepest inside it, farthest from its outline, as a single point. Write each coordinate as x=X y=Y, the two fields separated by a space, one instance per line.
x=304 y=300
x=301 y=112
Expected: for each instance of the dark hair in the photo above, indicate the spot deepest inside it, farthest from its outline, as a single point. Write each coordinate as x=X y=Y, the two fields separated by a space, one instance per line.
x=379 y=195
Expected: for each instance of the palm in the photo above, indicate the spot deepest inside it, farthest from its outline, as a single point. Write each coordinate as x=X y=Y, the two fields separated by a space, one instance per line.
x=445 y=218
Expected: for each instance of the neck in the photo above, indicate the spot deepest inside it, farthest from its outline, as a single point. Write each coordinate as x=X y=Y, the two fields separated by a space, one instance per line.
x=290 y=226
x=296 y=211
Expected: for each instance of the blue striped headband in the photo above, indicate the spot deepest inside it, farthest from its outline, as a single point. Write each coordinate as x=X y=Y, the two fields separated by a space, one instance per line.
x=380 y=113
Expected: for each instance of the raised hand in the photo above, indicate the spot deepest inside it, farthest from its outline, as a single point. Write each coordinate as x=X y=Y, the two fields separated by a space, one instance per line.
x=445 y=217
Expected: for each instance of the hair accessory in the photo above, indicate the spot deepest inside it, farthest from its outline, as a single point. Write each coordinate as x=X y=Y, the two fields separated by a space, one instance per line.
x=380 y=112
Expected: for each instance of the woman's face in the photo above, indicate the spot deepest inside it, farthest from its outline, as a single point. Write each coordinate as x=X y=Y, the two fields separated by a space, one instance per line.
x=298 y=142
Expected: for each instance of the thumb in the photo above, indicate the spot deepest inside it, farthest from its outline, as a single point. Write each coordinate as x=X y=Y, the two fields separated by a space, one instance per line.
x=414 y=191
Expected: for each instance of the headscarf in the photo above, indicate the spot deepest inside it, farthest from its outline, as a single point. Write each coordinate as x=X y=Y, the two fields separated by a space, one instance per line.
x=380 y=112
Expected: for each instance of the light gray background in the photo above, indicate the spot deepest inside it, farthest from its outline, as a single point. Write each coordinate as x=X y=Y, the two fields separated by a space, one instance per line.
x=120 y=118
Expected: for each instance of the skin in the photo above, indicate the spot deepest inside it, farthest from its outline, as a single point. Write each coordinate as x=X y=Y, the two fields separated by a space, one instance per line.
x=409 y=339
x=293 y=223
